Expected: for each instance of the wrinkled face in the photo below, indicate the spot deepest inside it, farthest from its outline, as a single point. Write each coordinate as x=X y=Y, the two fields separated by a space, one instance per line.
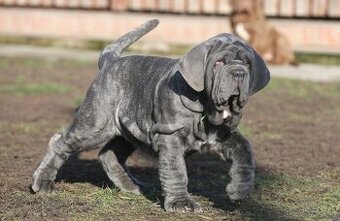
x=227 y=70
x=229 y=84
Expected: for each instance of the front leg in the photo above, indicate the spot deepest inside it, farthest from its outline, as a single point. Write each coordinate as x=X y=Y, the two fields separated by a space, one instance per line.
x=173 y=176
x=239 y=151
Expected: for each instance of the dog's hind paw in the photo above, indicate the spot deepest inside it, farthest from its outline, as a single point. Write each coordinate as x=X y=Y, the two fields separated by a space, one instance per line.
x=181 y=205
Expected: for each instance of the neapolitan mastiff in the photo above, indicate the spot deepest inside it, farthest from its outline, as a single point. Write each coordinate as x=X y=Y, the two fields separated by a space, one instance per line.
x=173 y=106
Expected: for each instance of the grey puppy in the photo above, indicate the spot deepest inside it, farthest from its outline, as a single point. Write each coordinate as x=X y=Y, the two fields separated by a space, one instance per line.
x=172 y=106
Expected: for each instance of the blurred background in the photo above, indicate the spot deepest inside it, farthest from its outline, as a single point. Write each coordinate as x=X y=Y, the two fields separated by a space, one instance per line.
x=311 y=26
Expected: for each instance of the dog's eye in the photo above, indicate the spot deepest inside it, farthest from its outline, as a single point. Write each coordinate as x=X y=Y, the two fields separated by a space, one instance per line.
x=220 y=62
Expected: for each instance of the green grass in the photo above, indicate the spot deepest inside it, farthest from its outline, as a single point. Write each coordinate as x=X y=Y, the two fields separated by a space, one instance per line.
x=276 y=197
x=32 y=89
x=21 y=87
x=35 y=63
x=78 y=101
x=249 y=131
x=318 y=58
x=49 y=63
x=304 y=89
x=4 y=63
x=245 y=130
x=301 y=198
x=20 y=128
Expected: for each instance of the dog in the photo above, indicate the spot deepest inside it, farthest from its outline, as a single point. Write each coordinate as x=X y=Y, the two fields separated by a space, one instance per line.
x=248 y=21
x=170 y=106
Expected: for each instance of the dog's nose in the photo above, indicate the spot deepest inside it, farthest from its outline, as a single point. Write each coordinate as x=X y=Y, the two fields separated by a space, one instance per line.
x=238 y=74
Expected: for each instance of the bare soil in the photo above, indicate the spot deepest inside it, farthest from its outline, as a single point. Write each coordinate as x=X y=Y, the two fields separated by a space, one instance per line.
x=293 y=125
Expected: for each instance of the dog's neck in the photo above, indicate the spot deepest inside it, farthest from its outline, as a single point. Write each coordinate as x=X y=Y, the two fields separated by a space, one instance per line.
x=209 y=133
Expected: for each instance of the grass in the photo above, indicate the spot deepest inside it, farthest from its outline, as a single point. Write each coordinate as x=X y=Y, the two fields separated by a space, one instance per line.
x=36 y=63
x=78 y=101
x=270 y=136
x=318 y=58
x=245 y=130
x=27 y=127
x=32 y=89
x=301 y=198
x=20 y=128
x=248 y=131
x=276 y=197
x=304 y=89
x=4 y=63
x=21 y=87
x=49 y=63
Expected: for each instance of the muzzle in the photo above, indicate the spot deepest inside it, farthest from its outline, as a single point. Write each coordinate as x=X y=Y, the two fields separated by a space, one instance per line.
x=228 y=94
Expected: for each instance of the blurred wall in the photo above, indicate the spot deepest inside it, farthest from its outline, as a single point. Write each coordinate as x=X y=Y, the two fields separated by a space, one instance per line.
x=312 y=25
x=283 y=8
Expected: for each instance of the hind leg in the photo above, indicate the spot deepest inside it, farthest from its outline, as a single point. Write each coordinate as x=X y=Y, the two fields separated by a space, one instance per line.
x=113 y=157
x=44 y=175
x=92 y=127
x=61 y=146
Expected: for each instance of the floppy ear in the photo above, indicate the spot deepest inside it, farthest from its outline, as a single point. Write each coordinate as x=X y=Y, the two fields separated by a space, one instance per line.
x=260 y=75
x=193 y=66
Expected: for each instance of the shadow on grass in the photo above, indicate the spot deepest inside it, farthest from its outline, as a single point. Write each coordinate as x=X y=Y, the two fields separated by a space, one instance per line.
x=76 y=170
x=208 y=177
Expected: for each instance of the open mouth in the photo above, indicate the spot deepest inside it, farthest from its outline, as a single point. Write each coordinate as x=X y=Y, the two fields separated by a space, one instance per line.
x=228 y=96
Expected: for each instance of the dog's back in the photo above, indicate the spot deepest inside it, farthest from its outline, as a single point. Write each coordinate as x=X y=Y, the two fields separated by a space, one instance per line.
x=138 y=79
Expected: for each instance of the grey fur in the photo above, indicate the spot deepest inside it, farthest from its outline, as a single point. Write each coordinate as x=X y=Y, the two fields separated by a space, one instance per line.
x=171 y=106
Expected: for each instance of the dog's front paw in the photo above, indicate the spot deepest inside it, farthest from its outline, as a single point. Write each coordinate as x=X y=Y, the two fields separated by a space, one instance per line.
x=239 y=190
x=41 y=184
x=131 y=188
x=181 y=204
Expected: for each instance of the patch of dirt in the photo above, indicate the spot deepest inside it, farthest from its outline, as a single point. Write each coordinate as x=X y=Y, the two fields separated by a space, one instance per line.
x=296 y=135
x=292 y=135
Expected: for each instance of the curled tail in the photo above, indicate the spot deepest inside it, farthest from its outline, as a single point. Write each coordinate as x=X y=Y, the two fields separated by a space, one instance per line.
x=115 y=49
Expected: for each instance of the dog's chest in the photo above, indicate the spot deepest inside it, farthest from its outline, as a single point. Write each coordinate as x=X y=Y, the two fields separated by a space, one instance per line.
x=211 y=139
x=207 y=137
x=211 y=144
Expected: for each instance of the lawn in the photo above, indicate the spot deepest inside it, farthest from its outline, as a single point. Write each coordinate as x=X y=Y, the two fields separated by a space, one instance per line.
x=293 y=127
